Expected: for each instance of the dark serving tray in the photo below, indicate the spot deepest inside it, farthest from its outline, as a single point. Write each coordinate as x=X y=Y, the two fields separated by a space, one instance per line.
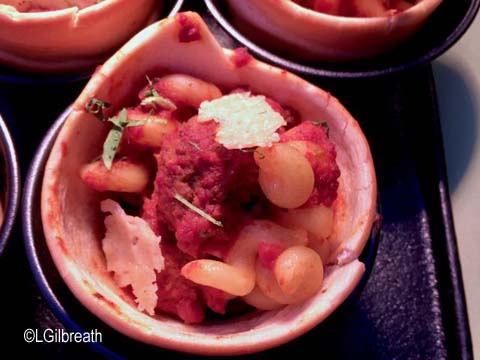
x=413 y=305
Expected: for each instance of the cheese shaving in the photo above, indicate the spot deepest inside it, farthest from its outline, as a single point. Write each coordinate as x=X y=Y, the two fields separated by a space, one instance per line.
x=133 y=253
x=245 y=121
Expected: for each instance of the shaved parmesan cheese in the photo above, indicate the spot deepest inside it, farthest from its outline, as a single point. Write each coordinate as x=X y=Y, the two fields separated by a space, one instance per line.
x=244 y=121
x=133 y=253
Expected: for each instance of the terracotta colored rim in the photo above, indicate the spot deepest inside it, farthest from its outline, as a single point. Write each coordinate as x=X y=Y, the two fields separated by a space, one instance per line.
x=324 y=70
x=30 y=207
x=68 y=231
x=10 y=75
x=35 y=243
x=12 y=183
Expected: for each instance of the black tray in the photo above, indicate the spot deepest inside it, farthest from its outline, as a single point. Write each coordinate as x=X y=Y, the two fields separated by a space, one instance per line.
x=413 y=305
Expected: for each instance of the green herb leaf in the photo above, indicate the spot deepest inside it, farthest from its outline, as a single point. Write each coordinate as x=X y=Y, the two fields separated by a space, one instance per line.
x=151 y=91
x=114 y=137
x=159 y=100
x=110 y=146
x=153 y=98
x=323 y=124
x=145 y=122
x=95 y=107
x=195 y=145
x=121 y=119
x=196 y=210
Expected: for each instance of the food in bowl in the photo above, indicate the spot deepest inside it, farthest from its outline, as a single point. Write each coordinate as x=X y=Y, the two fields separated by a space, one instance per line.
x=330 y=30
x=224 y=201
x=213 y=181
x=358 y=8
x=63 y=36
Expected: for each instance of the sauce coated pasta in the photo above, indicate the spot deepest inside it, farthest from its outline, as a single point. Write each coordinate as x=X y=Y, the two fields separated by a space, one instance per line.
x=247 y=222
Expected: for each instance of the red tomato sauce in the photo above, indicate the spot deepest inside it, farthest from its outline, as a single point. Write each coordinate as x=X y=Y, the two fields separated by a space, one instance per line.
x=189 y=162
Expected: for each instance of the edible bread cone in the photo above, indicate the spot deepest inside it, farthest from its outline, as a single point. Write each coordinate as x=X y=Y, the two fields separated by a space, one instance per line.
x=73 y=223
x=304 y=34
x=71 y=38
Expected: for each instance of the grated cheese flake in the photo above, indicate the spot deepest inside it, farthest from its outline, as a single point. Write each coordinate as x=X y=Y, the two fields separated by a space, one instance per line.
x=132 y=251
x=245 y=121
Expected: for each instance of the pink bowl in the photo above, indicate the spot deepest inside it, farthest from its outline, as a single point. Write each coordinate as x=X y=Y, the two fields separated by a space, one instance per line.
x=72 y=221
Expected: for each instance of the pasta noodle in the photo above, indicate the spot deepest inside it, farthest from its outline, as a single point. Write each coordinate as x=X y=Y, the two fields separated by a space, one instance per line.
x=186 y=90
x=259 y=300
x=285 y=176
x=270 y=263
x=152 y=132
x=297 y=275
x=219 y=275
x=238 y=271
x=299 y=272
x=317 y=220
x=125 y=176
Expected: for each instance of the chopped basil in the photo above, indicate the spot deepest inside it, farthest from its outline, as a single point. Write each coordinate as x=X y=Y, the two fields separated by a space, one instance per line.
x=114 y=137
x=151 y=91
x=153 y=98
x=145 y=122
x=110 y=146
x=159 y=100
x=95 y=107
x=195 y=145
x=121 y=120
x=196 y=210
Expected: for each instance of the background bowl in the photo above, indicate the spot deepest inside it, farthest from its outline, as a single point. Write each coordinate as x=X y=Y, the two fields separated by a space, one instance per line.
x=76 y=318
x=9 y=183
x=446 y=25
x=22 y=77
x=73 y=230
